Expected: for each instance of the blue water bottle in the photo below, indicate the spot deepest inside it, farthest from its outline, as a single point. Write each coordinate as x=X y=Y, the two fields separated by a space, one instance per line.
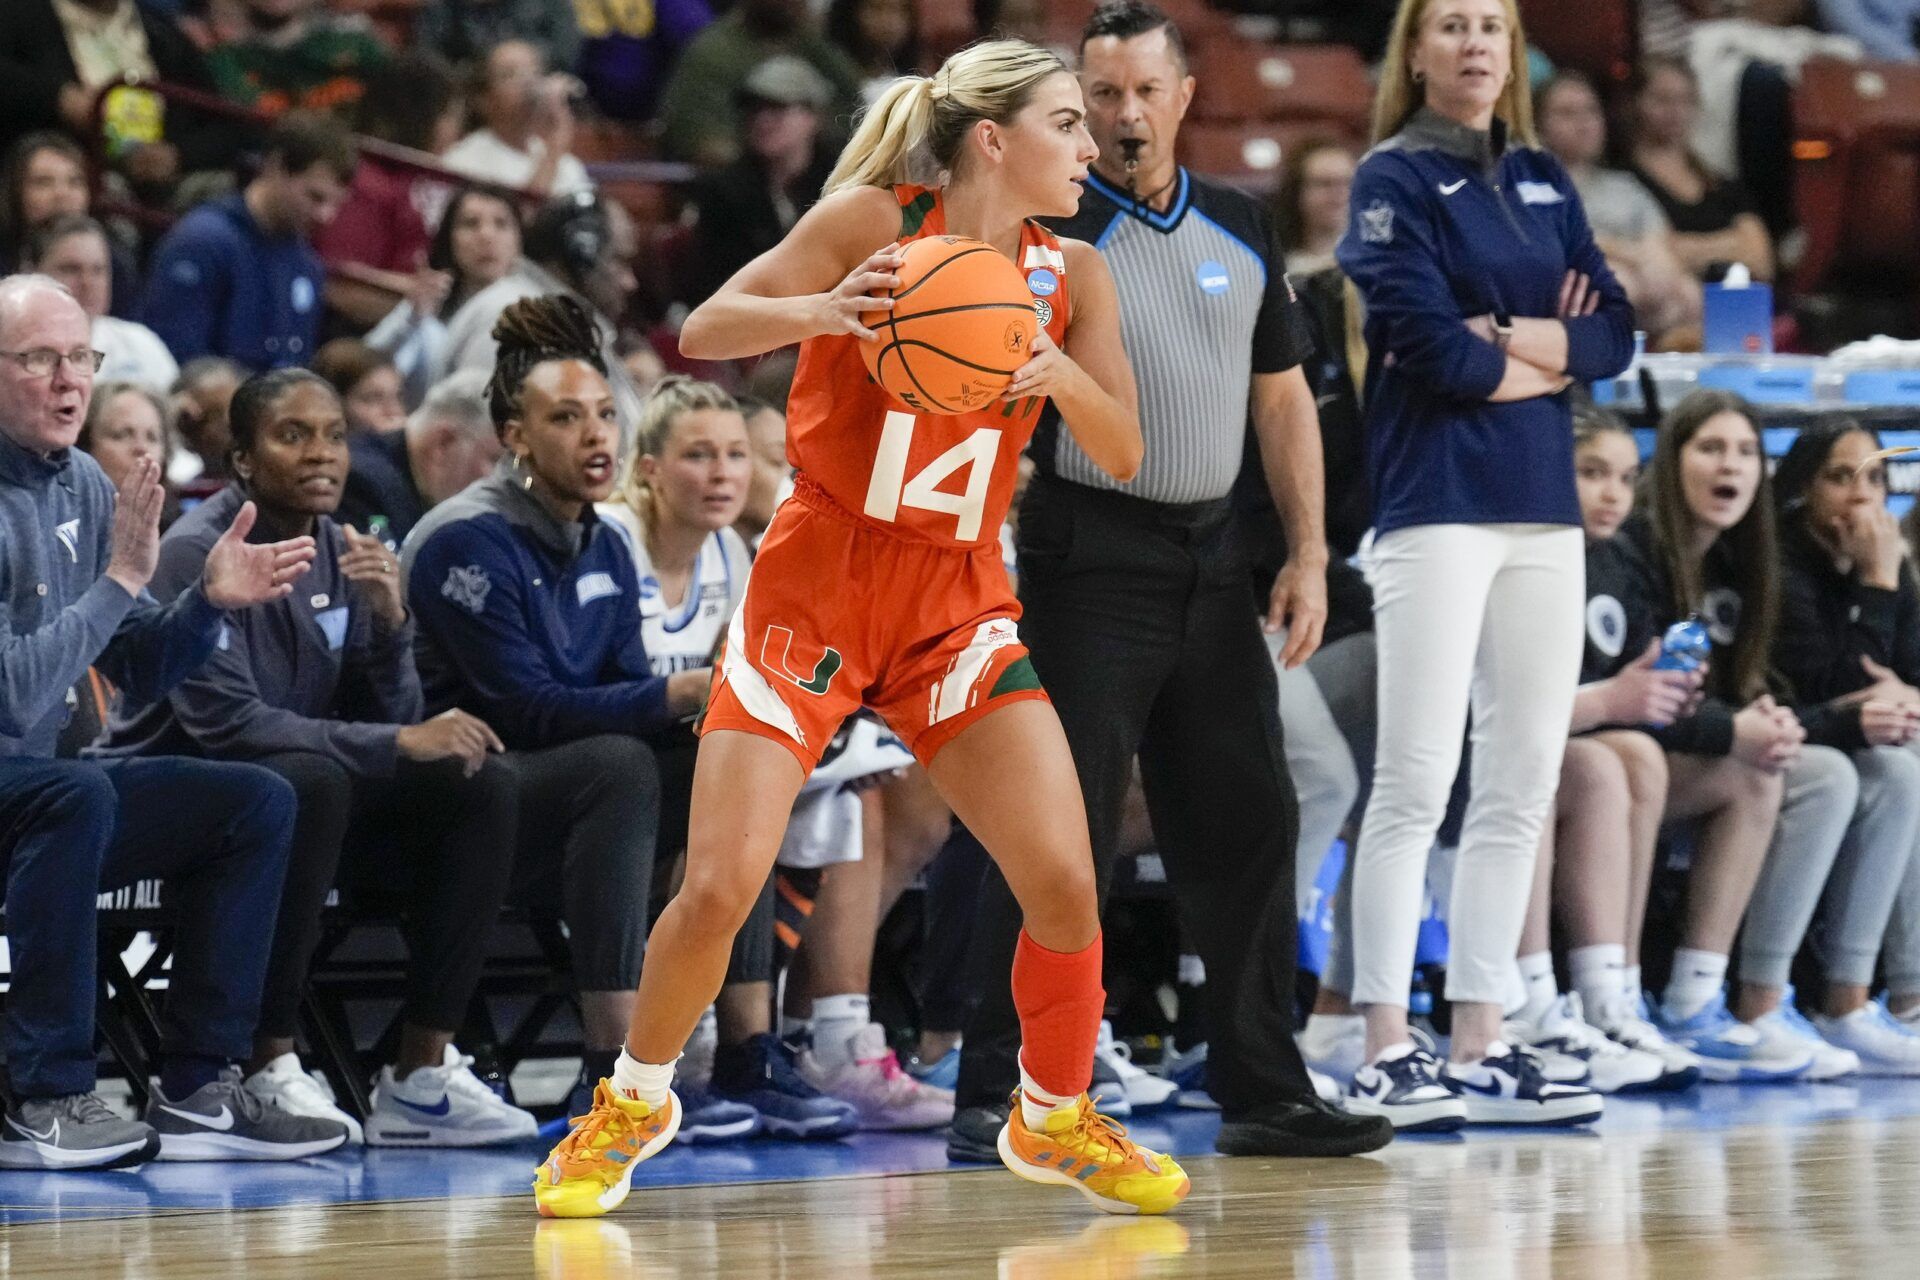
x=1685 y=647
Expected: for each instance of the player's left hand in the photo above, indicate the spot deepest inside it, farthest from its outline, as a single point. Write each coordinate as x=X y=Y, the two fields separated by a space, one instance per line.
x=1047 y=372
x=1299 y=606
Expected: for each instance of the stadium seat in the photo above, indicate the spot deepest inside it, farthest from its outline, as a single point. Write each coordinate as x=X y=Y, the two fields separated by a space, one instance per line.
x=1599 y=37
x=1251 y=154
x=1256 y=80
x=1857 y=170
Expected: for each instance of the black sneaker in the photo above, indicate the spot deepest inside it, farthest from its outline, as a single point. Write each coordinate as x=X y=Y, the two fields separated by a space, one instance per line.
x=73 y=1131
x=224 y=1121
x=974 y=1137
x=1302 y=1127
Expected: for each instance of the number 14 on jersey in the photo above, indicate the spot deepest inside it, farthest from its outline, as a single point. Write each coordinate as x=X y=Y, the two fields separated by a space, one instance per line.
x=890 y=488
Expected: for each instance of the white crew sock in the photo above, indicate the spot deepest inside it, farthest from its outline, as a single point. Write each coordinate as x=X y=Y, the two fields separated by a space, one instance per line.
x=1697 y=977
x=1036 y=1104
x=642 y=1080
x=836 y=1021
x=1599 y=975
x=1630 y=987
x=1542 y=988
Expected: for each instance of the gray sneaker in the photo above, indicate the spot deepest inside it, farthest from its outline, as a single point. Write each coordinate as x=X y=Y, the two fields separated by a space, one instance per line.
x=225 y=1121
x=73 y=1131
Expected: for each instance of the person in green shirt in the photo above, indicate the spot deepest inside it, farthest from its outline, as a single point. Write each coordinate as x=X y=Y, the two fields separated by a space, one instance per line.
x=297 y=55
x=698 y=114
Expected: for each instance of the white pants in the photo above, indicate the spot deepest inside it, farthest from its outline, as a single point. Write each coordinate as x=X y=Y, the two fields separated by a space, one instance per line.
x=1488 y=616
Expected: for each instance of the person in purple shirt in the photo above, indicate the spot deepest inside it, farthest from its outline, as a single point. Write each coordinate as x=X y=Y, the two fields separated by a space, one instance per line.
x=626 y=50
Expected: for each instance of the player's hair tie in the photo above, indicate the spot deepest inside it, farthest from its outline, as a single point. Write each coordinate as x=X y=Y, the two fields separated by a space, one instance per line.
x=939 y=91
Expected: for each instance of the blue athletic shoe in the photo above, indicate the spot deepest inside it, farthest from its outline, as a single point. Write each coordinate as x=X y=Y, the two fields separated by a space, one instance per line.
x=1730 y=1051
x=942 y=1073
x=707 y=1117
x=760 y=1074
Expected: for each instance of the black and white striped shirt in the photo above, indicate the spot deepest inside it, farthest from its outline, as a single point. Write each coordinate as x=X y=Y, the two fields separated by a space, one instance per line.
x=1204 y=305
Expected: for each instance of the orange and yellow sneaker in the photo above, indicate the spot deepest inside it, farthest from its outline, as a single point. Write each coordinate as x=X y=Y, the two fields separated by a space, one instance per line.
x=589 y=1173
x=1082 y=1149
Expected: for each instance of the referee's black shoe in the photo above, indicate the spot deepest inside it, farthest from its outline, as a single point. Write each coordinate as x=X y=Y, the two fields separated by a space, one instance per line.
x=1304 y=1127
x=974 y=1137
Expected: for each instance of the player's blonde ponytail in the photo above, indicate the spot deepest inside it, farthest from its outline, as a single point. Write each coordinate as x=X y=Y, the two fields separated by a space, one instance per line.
x=675 y=396
x=931 y=115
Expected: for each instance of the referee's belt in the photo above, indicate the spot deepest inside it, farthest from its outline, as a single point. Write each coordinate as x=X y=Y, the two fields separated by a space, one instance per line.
x=1177 y=521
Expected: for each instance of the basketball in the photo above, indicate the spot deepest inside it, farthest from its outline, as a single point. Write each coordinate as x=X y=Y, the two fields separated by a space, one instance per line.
x=962 y=322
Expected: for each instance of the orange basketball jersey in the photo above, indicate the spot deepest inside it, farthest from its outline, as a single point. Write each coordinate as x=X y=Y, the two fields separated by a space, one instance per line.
x=934 y=478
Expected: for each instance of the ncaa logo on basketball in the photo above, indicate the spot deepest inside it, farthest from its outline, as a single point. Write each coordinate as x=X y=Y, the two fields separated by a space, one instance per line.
x=1212 y=278
x=1043 y=311
x=1042 y=282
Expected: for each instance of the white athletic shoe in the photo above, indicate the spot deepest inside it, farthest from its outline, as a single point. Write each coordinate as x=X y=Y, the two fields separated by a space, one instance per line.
x=443 y=1106
x=1606 y=1065
x=285 y=1084
x=1403 y=1084
x=1334 y=1044
x=1506 y=1087
x=1786 y=1028
x=885 y=1097
x=1626 y=1025
x=1142 y=1089
x=1885 y=1045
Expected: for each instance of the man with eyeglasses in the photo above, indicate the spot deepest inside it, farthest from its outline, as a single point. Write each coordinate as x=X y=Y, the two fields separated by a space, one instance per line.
x=74 y=567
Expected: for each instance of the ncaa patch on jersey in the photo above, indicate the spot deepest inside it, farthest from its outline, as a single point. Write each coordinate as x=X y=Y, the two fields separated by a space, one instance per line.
x=1043 y=311
x=1212 y=278
x=1042 y=283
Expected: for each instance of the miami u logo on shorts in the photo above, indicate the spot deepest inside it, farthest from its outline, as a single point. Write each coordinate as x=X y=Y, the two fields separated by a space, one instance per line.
x=777 y=656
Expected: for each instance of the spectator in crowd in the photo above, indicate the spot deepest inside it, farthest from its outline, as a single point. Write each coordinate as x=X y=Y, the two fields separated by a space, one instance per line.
x=1706 y=547
x=625 y=50
x=882 y=37
x=464 y=31
x=527 y=611
x=1887 y=27
x=577 y=245
x=73 y=249
x=1714 y=219
x=674 y=513
x=772 y=478
x=748 y=207
x=1310 y=207
x=476 y=244
x=1628 y=223
x=448 y=443
x=239 y=277
x=698 y=113
x=46 y=176
x=76 y=828
x=200 y=401
x=1849 y=645
x=128 y=423
x=526 y=139
x=320 y=688
x=1466 y=567
x=56 y=56
x=381 y=230
x=367 y=383
x=297 y=55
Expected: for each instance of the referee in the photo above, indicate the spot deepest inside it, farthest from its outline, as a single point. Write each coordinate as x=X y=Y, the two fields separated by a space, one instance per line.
x=1137 y=610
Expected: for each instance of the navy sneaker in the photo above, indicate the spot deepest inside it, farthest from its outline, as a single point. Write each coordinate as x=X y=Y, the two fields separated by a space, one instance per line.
x=1403 y=1084
x=760 y=1074
x=1507 y=1087
x=706 y=1117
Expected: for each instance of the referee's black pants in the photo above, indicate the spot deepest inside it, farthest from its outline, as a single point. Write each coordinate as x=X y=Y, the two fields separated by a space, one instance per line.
x=1139 y=618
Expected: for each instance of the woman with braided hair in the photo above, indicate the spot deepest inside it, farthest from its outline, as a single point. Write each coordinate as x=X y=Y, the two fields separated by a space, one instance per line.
x=869 y=592
x=524 y=602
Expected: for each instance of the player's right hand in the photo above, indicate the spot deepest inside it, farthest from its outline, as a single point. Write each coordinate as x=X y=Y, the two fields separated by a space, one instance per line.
x=862 y=291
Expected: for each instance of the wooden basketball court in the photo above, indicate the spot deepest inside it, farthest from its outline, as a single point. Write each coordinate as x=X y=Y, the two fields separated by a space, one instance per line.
x=1796 y=1181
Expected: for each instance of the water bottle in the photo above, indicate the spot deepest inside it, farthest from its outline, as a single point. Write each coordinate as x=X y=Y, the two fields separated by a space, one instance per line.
x=1685 y=646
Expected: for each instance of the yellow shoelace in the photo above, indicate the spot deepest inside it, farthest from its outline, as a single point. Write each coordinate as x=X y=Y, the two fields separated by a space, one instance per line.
x=1089 y=1126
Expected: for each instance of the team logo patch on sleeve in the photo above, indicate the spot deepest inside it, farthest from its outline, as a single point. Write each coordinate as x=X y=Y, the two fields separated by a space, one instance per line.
x=1606 y=625
x=1376 y=223
x=467 y=586
x=595 y=586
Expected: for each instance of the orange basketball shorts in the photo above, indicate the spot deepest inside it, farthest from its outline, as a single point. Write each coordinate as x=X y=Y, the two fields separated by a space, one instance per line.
x=838 y=616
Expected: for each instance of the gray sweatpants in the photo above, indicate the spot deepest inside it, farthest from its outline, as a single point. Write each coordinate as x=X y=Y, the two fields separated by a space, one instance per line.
x=1874 y=890
x=1822 y=801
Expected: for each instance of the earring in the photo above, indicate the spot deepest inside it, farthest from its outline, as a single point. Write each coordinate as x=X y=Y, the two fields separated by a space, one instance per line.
x=1419 y=77
x=520 y=465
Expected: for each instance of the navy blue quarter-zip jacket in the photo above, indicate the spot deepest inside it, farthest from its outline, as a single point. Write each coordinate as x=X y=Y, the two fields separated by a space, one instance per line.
x=1448 y=223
